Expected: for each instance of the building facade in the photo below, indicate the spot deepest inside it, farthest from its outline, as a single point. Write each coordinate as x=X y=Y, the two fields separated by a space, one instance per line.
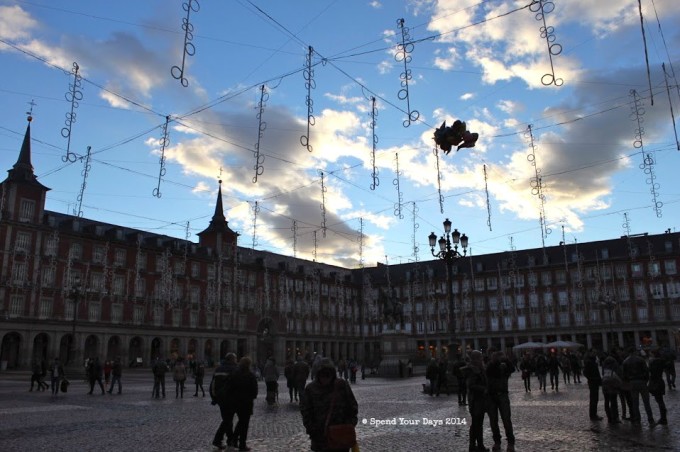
x=78 y=288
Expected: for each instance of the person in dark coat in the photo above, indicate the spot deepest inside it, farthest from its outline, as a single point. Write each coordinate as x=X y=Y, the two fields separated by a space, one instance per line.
x=442 y=380
x=636 y=371
x=300 y=375
x=199 y=374
x=290 y=382
x=592 y=373
x=611 y=385
x=243 y=392
x=94 y=374
x=478 y=389
x=117 y=373
x=56 y=375
x=315 y=406
x=498 y=371
x=657 y=387
x=159 y=370
x=554 y=367
x=541 y=369
x=527 y=367
x=462 y=387
x=432 y=375
x=219 y=393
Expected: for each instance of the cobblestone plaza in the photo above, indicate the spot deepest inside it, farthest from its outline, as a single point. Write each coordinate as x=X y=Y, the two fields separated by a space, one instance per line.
x=75 y=421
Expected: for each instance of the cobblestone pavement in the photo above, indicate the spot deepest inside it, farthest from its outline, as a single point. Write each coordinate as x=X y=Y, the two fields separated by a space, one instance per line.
x=75 y=421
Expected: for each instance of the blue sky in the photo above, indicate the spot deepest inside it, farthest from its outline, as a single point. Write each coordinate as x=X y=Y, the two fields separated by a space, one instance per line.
x=481 y=62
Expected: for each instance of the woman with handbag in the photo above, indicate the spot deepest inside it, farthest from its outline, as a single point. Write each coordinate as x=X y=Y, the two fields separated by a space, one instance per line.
x=329 y=411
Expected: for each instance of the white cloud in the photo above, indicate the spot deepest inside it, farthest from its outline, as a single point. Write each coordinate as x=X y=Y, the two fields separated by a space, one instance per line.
x=15 y=23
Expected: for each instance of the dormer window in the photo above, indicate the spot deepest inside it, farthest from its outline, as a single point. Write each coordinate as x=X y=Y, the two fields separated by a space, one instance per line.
x=26 y=210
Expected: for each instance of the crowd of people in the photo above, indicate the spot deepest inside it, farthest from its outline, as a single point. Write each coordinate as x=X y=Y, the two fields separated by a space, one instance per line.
x=623 y=376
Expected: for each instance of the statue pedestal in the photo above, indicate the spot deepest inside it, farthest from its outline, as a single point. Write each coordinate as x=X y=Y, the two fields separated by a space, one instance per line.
x=397 y=349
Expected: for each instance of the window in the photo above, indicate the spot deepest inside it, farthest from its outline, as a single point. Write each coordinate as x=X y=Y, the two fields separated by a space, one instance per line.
x=670 y=268
x=636 y=269
x=138 y=314
x=99 y=255
x=195 y=294
x=533 y=280
x=564 y=318
x=479 y=284
x=579 y=318
x=494 y=323
x=546 y=278
x=519 y=280
x=548 y=299
x=45 y=308
x=116 y=313
x=604 y=253
x=51 y=246
x=507 y=302
x=673 y=288
x=23 y=243
x=118 y=285
x=195 y=269
x=654 y=268
x=141 y=261
x=177 y=317
x=507 y=323
x=19 y=272
x=193 y=319
x=656 y=289
x=492 y=283
x=94 y=311
x=668 y=246
x=140 y=288
x=549 y=319
x=160 y=263
x=519 y=301
x=621 y=271
x=76 y=251
x=47 y=276
x=16 y=306
x=209 y=320
x=178 y=268
x=642 y=313
x=26 y=210
x=521 y=322
x=623 y=292
x=640 y=291
x=493 y=304
x=97 y=282
x=563 y=298
x=533 y=300
x=120 y=257
x=561 y=277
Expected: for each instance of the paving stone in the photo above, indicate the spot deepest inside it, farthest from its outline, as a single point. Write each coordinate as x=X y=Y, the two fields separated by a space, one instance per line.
x=398 y=417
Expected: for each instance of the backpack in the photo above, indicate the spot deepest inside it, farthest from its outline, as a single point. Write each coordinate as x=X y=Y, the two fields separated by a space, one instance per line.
x=220 y=385
x=610 y=379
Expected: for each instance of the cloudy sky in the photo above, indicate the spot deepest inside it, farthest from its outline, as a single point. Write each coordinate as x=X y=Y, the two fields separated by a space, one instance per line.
x=487 y=63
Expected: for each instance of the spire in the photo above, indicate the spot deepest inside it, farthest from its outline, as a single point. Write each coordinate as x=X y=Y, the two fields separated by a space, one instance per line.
x=218 y=223
x=219 y=209
x=22 y=171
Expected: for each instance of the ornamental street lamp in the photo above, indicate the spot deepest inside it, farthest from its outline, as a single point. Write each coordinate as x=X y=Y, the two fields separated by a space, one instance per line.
x=608 y=303
x=448 y=252
x=75 y=296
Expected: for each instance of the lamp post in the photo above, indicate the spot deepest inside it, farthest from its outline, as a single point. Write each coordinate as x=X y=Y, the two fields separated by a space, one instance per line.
x=75 y=296
x=448 y=252
x=608 y=303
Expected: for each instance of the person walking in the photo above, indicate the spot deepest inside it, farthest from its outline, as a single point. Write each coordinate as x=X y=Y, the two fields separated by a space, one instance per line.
x=116 y=374
x=108 y=367
x=611 y=385
x=243 y=392
x=554 y=367
x=636 y=371
x=56 y=375
x=327 y=401
x=565 y=363
x=290 y=381
x=271 y=377
x=432 y=375
x=669 y=357
x=657 y=387
x=179 y=375
x=526 y=366
x=442 y=379
x=300 y=375
x=592 y=373
x=199 y=374
x=575 y=361
x=477 y=386
x=159 y=369
x=94 y=374
x=458 y=373
x=219 y=394
x=541 y=367
x=36 y=377
x=498 y=372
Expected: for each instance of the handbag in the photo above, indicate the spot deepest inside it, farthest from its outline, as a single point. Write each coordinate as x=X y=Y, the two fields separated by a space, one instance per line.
x=339 y=436
x=64 y=385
